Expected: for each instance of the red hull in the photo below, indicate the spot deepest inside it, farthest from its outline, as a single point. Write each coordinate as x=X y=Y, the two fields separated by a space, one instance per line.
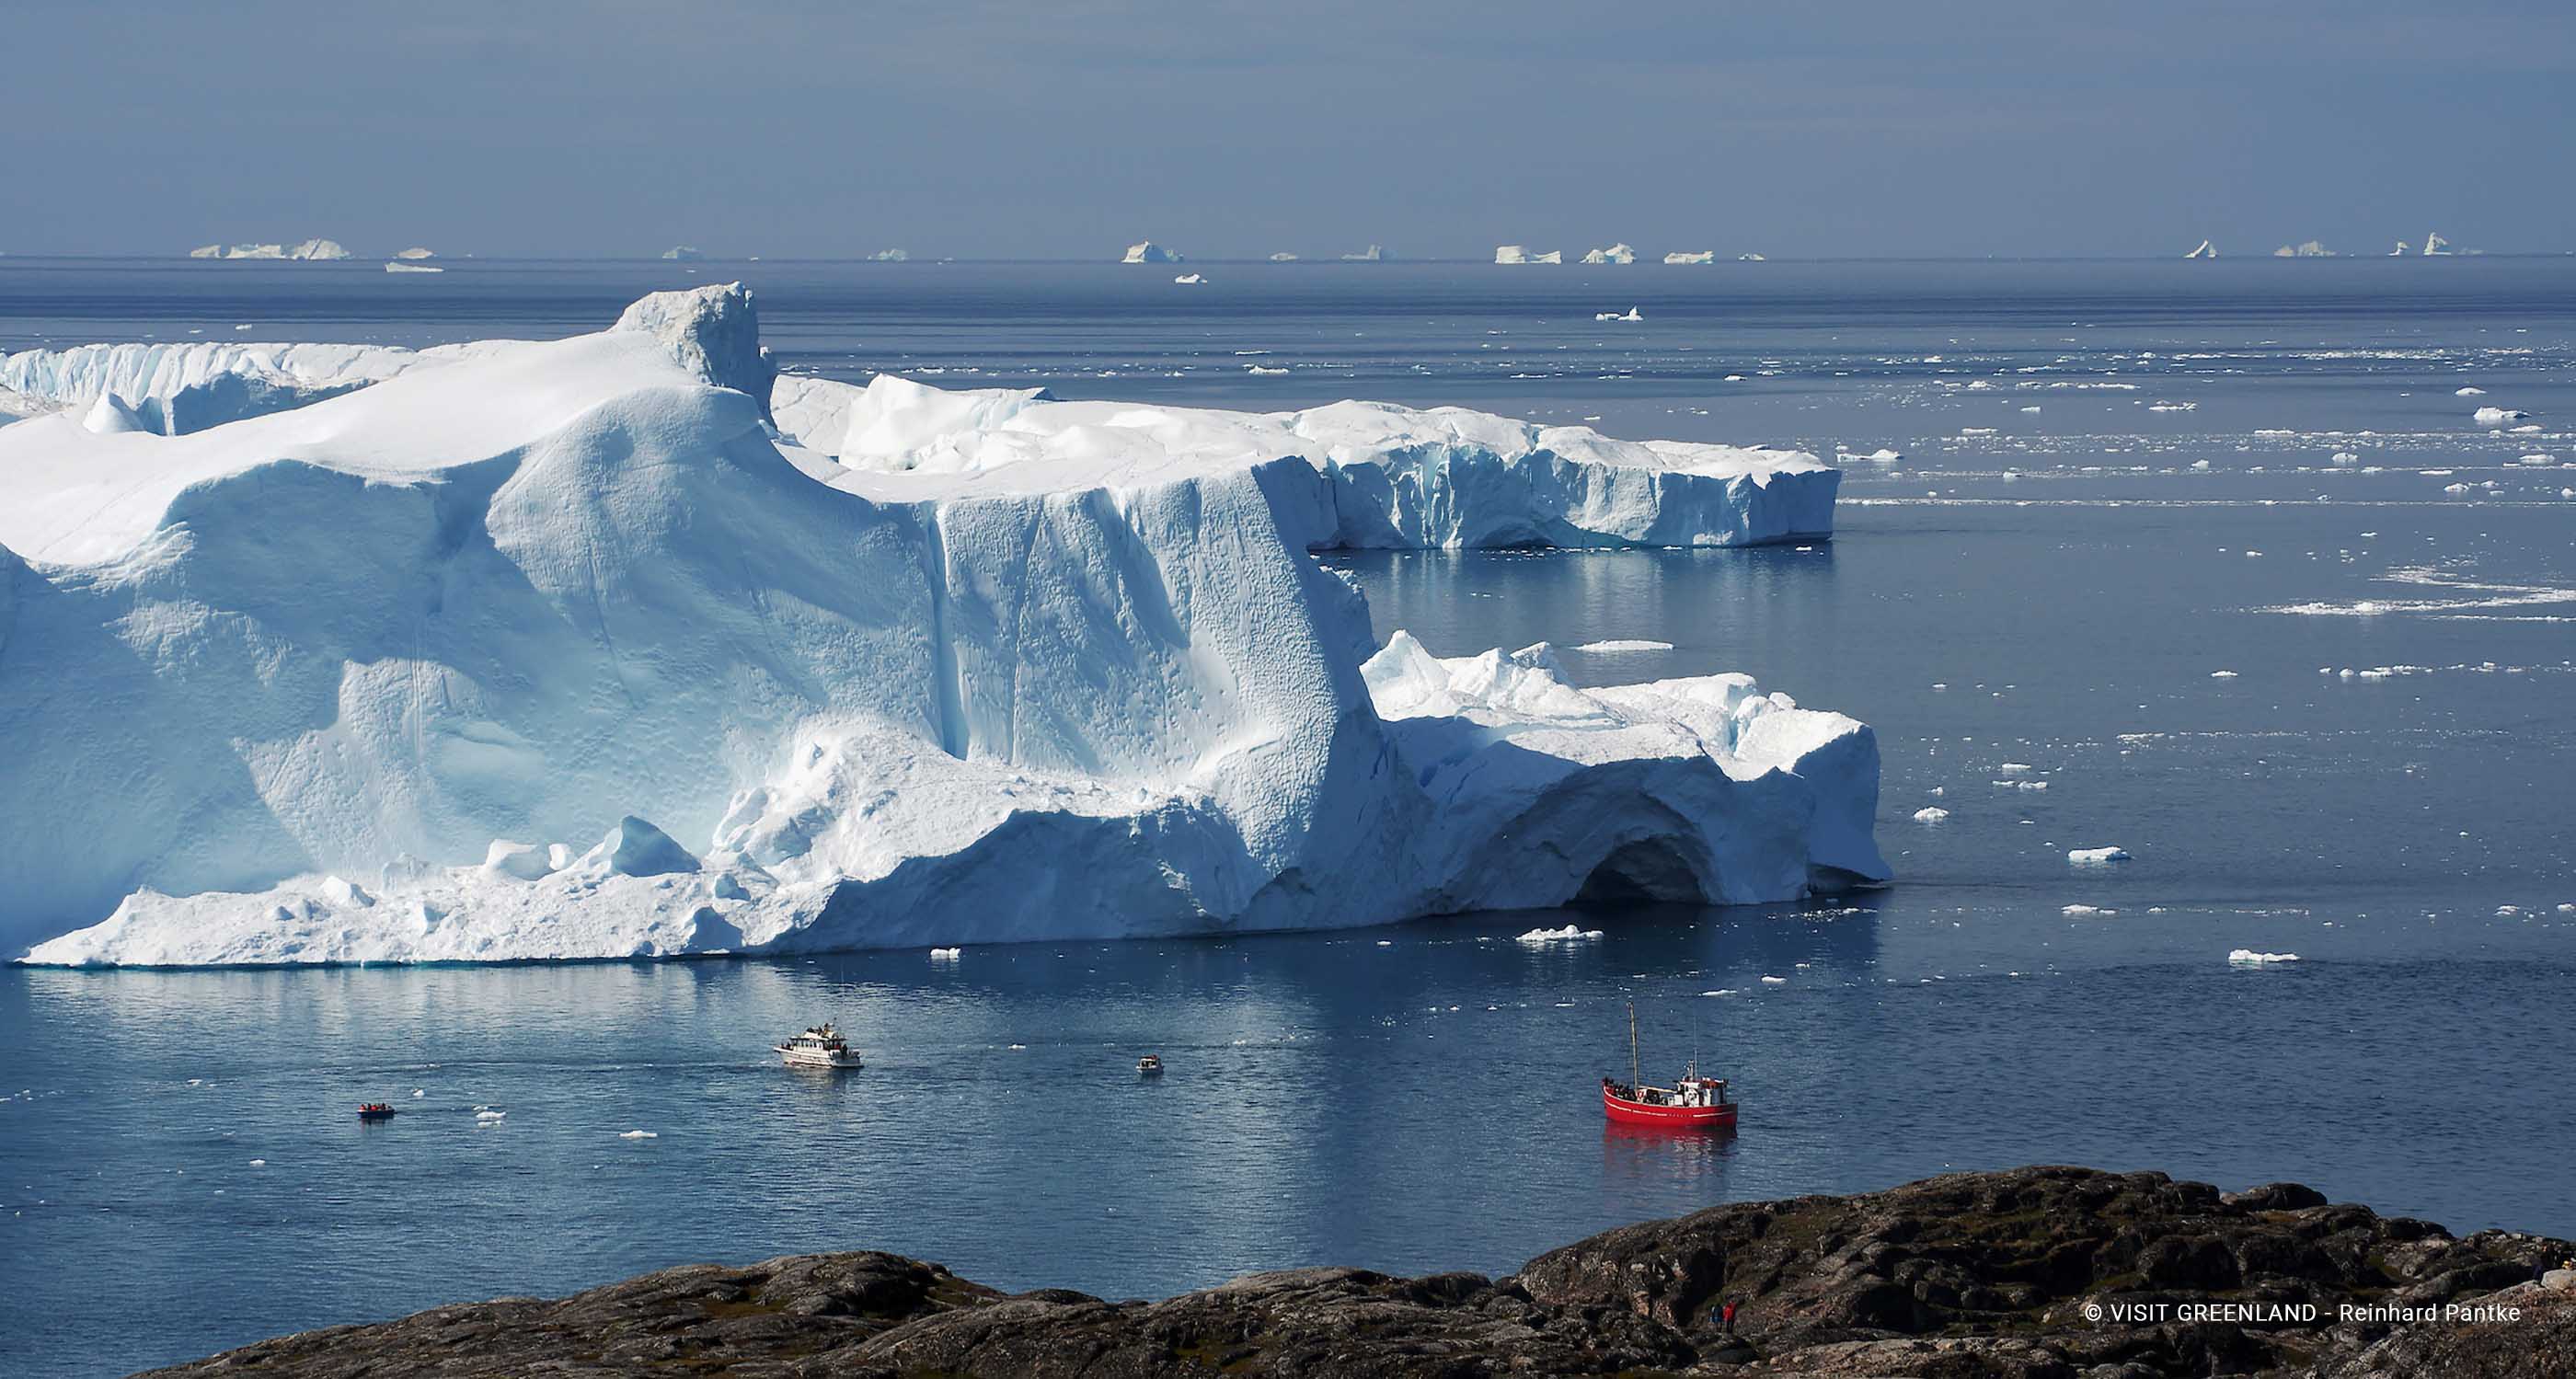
x=1628 y=1112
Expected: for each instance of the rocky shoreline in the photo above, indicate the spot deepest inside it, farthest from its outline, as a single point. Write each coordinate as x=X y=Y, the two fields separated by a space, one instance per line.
x=2032 y=1273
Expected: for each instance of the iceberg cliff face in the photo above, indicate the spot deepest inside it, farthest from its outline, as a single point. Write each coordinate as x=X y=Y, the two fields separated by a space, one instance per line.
x=549 y=650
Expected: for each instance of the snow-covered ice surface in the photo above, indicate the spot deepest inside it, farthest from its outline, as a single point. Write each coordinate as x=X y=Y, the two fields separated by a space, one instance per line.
x=551 y=650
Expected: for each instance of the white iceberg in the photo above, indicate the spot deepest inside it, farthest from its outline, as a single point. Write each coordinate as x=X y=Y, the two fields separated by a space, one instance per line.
x=2094 y=857
x=1400 y=478
x=1750 y=258
x=1930 y=814
x=683 y=253
x=2247 y=957
x=1375 y=253
x=415 y=252
x=1616 y=253
x=398 y=267
x=1700 y=256
x=2434 y=244
x=1568 y=934
x=175 y=388
x=1149 y=252
x=2204 y=250
x=1616 y=644
x=1515 y=253
x=2311 y=249
x=2498 y=416
x=1078 y=677
x=1189 y=280
x=309 y=249
x=890 y=256
x=1283 y=256
x=1632 y=314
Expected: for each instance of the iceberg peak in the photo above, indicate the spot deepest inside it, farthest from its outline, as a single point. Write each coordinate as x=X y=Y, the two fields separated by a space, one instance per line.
x=712 y=331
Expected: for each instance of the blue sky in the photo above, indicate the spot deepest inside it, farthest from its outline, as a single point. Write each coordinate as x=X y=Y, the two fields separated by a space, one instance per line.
x=1067 y=129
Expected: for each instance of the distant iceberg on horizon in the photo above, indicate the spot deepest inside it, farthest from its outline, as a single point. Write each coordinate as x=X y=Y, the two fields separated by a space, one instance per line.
x=311 y=249
x=1515 y=253
x=1691 y=257
x=1147 y=251
x=2205 y=250
x=618 y=646
x=2312 y=249
x=1616 y=253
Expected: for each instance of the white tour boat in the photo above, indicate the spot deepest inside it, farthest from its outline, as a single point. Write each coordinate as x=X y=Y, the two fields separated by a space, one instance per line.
x=819 y=1047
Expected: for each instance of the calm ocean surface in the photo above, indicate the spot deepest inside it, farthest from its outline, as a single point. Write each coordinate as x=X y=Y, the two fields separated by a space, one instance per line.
x=2118 y=557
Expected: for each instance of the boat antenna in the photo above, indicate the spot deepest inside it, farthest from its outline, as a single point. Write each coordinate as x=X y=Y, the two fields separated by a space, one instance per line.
x=1633 y=1081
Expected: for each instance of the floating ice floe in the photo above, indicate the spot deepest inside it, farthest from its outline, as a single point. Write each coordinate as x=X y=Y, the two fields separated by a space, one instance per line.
x=2498 y=416
x=1624 y=645
x=2080 y=910
x=2222 y=675
x=1632 y=314
x=2086 y=857
x=1930 y=814
x=1775 y=981
x=2469 y=392
x=902 y=667
x=946 y=954
x=413 y=268
x=1568 y=934
x=639 y=1135
x=2247 y=957
x=1189 y=280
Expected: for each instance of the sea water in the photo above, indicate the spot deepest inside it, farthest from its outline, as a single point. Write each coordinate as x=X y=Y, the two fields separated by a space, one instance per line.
x=2143 y=597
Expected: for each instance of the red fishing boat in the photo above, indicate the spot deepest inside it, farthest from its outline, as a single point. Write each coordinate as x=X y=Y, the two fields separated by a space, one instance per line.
x=1693 y=1102
x=375 y=1110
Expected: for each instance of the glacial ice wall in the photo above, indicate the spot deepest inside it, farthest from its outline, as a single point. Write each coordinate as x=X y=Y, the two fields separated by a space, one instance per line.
x=551 y=651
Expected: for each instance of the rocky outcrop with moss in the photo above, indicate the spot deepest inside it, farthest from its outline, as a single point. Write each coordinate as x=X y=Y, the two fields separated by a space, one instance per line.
x=2032 y=1273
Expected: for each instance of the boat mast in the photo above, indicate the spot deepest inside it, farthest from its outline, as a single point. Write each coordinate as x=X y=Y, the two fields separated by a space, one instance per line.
x=1633 y=1082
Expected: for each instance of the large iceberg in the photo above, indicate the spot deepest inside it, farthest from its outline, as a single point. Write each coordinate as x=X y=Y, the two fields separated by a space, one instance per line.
x=1519 y=253
x=1616 y=253
x=1147 y=251
x=554 y=650
x=1397 y=477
